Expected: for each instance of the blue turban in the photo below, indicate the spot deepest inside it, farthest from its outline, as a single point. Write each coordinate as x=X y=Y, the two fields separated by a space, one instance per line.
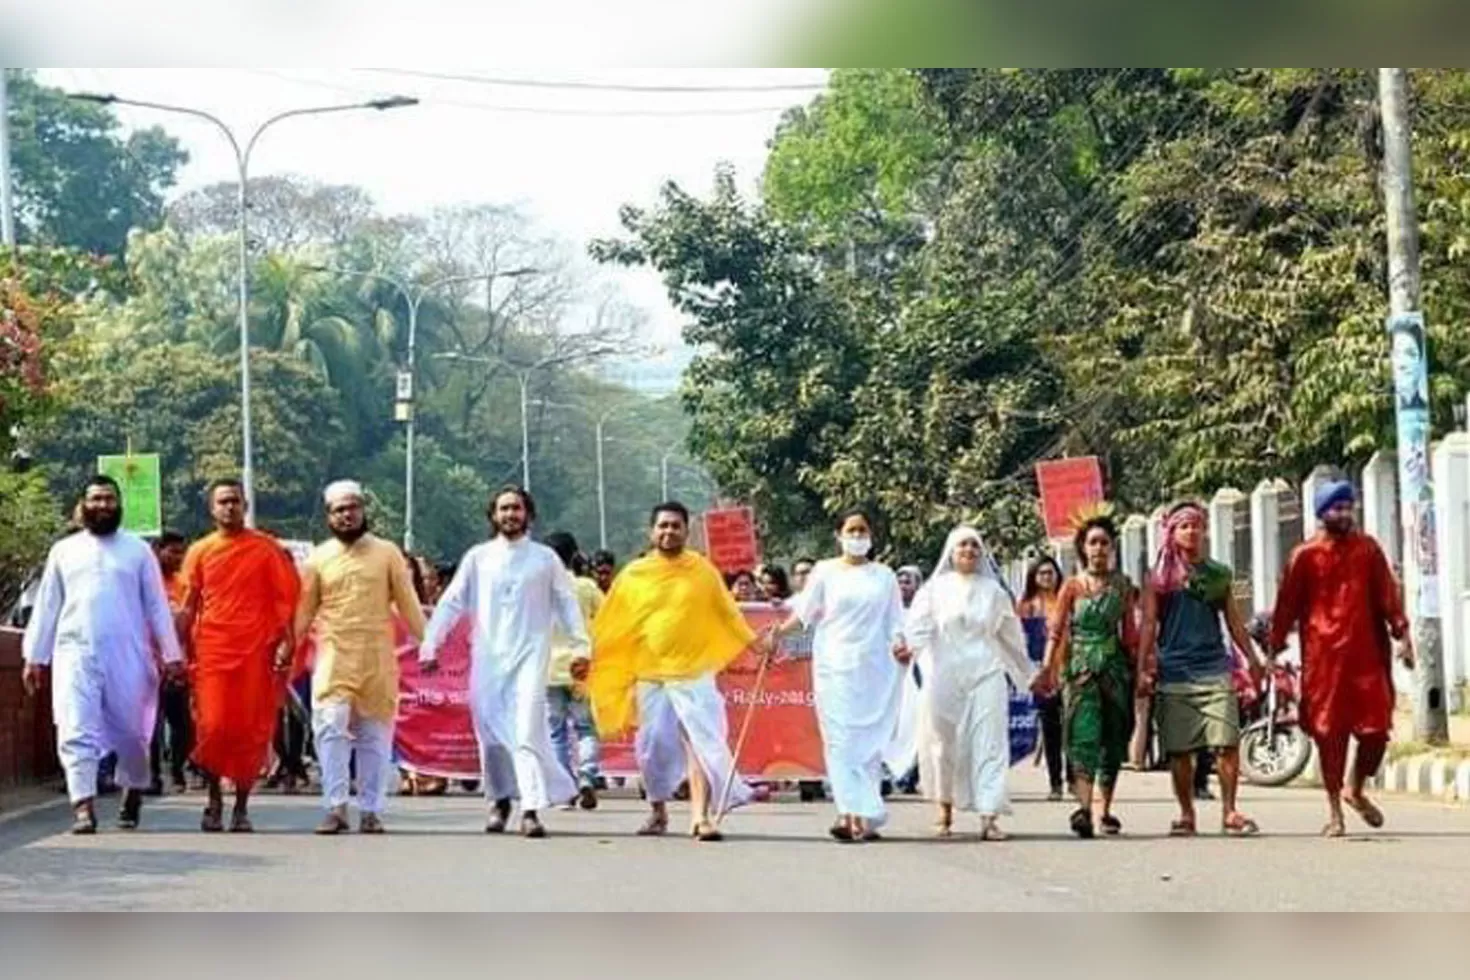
x=1331 y=494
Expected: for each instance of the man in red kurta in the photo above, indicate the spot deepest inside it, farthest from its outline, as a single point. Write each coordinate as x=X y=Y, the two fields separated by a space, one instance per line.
x=1342 y=597
x=242 y=591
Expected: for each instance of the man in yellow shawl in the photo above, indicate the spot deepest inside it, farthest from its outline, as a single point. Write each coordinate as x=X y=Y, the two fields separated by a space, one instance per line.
x=667 y=627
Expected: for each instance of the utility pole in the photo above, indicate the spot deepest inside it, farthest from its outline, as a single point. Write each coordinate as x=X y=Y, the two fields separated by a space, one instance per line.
x=7 y=201
x=1411 y=409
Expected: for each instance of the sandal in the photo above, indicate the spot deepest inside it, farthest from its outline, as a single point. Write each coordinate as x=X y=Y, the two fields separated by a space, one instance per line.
x=706 y=832
x=991 y=831
x=1365 y=808
x=841 y=833
x=943 y=830
x=654 y=826
x=1081 y=821
x=1239 y=825
x=1334 y=829
x=1182 y=828
x=1111 y=825
x=240 y=823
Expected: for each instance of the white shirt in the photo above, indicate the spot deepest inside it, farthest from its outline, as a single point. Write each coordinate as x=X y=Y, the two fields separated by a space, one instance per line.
x=514 y=592
x=966 y=629
x=101 y=596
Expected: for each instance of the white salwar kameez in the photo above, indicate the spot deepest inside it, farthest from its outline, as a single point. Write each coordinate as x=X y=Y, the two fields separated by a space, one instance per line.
x=698 y=709
x=100 y=621
x=857 y=611
x=969 y=641
x=514 y=591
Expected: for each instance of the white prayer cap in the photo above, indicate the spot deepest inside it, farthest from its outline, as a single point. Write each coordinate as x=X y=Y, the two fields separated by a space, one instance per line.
x=340 y=489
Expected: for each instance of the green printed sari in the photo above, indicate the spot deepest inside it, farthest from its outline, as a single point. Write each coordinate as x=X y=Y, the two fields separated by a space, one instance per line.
x=1097 y=686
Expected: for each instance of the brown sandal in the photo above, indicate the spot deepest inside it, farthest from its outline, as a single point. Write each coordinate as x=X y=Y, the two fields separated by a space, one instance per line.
x=1182 y=828
x=1239 y=825
x=1365 y=808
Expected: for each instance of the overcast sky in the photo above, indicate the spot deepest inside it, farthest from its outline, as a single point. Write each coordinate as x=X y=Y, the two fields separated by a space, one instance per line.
x=568 y=157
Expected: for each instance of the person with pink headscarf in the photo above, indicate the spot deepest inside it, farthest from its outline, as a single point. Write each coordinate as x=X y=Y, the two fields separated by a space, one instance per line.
x=1185 y=662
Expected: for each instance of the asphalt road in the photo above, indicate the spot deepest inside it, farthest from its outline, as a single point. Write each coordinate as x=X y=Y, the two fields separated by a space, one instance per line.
x=777 y=859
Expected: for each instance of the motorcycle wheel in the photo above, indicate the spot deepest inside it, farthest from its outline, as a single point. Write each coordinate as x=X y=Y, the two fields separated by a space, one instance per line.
x=1273 y=761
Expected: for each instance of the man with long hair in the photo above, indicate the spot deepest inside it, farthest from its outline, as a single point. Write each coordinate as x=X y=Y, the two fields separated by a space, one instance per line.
x=514 y=590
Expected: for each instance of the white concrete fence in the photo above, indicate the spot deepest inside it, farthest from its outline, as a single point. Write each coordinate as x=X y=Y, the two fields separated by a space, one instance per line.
x=1255 y=533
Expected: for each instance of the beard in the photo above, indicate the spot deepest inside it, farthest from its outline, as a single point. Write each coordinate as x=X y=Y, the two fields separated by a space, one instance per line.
x=352 y=535
x=100 y=523
x=508 y=529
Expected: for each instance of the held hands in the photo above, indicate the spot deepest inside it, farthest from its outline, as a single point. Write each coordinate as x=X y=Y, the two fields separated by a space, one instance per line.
x=901 y=652
x=581 y=667
x=1045 y=682
x=427 y=667
x=33 y=678
x=173 y=672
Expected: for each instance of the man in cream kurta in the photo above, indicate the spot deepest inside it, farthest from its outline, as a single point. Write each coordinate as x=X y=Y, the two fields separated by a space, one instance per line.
x=350 y=586
x=513 y=590
x=100 y=610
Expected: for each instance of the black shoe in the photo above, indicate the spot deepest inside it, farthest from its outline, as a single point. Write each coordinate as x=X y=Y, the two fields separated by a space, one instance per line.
x=499 y=818
x=587 y=798
x=131 y=811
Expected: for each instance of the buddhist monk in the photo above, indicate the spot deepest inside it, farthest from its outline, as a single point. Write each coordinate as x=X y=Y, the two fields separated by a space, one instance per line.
x=241 y=592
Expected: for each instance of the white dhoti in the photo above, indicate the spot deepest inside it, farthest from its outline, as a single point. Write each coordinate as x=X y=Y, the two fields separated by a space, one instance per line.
x=103 y=704
x=857 y=713
x=964 y=744
x=516 y=754
x=337 y=735
x=670 y=711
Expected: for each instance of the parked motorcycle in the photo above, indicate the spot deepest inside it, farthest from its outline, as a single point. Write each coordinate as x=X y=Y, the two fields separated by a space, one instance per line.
x=1273 y=747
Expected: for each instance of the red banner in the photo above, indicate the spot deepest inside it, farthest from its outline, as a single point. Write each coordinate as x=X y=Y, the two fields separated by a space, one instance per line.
x=1066 y=487
x=784 y=742
x=435 y=735
x=730 y=539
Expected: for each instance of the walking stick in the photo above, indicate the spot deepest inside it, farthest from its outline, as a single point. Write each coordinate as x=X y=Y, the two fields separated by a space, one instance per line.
x=755 y=696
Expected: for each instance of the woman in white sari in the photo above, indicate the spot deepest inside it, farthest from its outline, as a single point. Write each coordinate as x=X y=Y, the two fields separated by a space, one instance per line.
x=968 y=640
x=858 y=658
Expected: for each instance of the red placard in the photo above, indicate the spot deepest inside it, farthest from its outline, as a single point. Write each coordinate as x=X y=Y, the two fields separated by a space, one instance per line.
x=1067 y=486
x=729 y=535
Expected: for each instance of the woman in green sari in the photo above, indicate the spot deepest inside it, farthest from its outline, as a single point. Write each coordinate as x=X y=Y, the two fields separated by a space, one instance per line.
x=1090 y=656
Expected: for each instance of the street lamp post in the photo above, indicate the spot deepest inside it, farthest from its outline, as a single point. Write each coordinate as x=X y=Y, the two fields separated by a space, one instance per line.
x=523 y=376
x=242 y=165
x=414 y=298
x=599 y=424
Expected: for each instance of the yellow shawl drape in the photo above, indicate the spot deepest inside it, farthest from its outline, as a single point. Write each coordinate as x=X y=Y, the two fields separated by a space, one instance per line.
x=666 y=619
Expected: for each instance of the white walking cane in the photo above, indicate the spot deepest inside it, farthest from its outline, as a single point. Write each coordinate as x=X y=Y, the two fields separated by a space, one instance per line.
x=755 y=696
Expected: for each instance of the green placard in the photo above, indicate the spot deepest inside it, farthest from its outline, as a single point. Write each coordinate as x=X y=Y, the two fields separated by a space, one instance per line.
x=141 y=481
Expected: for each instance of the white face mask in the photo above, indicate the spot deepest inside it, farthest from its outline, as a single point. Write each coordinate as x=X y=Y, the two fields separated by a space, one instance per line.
x=857 y=547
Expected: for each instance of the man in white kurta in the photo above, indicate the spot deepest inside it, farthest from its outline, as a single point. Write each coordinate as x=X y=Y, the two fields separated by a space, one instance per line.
x=514 y=590
x=100 y=625
x=969 y=640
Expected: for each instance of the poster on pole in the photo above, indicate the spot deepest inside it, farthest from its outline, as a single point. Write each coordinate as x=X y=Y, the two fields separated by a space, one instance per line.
x=140 y=479
x=730 y=538
x=1067 y=486
x=1411 y=412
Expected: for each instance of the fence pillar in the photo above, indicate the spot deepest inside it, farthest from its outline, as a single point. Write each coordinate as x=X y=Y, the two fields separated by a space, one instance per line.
x=1451 y=474
x=1223 y=510
x=1381 y=505
x=1267 y=560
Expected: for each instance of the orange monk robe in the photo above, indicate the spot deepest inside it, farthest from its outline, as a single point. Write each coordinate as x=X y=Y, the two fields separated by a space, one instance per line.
x=245 y=589
x=176 y=589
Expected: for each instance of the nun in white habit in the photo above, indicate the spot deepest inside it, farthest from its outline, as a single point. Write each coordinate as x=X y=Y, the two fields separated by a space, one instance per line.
x=968 y=641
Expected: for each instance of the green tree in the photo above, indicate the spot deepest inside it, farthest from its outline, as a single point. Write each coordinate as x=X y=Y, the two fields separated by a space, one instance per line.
x=78 y=183
x=183 y=403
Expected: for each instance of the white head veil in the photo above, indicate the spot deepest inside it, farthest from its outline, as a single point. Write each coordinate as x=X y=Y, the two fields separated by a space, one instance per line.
x=952 y=593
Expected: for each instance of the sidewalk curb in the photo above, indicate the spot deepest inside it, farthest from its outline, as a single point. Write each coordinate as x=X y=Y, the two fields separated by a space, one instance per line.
x=1428 y=776
x=20 y=813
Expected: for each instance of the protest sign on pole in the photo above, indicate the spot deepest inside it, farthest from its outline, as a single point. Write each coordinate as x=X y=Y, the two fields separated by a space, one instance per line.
x=140 y=480
x=730 y=538
x=1066 y=487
